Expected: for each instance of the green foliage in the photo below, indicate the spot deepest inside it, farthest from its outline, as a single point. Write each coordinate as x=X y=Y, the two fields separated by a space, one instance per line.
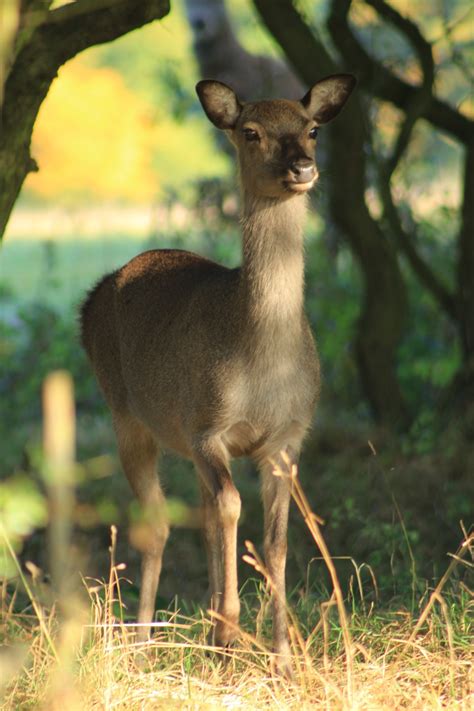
x=429 y=355
x=333 y=296
x=38 y=333
x=22 y=511
x=35 y=339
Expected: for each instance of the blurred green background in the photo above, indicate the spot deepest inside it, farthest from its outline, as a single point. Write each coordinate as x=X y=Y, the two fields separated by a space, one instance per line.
x=128 y=162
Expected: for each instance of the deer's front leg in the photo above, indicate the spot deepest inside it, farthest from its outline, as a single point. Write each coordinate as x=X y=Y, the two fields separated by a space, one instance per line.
x=276 y=492
x=222 y=504
x=213 y=542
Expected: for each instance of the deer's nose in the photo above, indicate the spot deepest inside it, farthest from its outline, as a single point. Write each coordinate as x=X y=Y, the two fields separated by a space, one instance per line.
x=304 y=170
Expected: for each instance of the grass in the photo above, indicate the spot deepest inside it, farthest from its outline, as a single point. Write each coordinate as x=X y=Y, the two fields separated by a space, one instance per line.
x=81 y=654
x=30 y=269
x=55 y=257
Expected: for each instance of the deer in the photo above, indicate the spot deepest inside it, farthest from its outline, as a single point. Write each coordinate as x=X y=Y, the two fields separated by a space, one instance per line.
x=216 y=363
x=220 y=54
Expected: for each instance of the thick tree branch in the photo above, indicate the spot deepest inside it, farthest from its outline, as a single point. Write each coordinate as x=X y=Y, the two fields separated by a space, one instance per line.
x=57 y=36
x=86 y=23
x=309 y=57
x=78 y=8
x=32 y=14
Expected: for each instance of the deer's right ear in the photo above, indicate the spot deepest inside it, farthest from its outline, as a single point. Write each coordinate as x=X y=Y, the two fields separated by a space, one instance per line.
x=220 y=103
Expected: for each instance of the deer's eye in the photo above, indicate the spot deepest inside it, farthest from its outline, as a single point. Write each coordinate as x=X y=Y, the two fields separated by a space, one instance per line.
x=313 y=133
x=251 y=135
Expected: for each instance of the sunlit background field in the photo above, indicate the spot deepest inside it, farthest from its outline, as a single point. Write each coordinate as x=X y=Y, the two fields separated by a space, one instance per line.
x=127 y=162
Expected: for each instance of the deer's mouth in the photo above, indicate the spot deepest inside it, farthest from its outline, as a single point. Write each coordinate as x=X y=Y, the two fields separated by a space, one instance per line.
x=297 y=187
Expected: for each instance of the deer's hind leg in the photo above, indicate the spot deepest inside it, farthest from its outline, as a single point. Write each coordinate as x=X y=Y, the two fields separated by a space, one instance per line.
x=138 y=454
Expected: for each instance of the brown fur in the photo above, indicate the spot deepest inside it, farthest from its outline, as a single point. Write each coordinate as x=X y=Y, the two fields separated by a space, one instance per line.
x=215 y=363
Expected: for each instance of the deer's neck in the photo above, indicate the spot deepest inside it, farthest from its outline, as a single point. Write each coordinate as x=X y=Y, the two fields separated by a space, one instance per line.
x=272 y=274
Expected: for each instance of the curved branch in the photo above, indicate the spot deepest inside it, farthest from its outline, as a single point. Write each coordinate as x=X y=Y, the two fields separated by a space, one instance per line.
x=405 y=25
x=60 y=35
x=422 y=99
x=414 y=109
x=74 y=10
x=406 y=241
x=85 y=23
x=387 y=86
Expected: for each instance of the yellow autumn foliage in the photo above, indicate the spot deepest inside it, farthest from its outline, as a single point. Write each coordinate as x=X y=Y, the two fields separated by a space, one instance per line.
x=97 y=139
x=93 y=138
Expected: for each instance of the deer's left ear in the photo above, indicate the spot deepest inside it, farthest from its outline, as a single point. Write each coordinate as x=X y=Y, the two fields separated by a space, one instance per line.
x=324 y=101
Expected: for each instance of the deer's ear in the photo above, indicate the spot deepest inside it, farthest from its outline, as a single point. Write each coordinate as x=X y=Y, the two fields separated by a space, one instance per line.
x=220 y=103
x=324 y=101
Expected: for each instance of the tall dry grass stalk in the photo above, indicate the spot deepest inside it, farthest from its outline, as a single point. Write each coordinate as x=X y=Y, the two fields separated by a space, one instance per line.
x=76 y=655
x=59 y=450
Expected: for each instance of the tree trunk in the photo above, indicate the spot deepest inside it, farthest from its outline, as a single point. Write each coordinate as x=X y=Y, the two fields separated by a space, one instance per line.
x=40 y=51
x=462 y=390
x=385 y=302
x=466 y=262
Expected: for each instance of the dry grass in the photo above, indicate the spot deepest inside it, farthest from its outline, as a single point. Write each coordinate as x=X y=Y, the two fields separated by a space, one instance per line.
x=83 y=656
x=100 y=667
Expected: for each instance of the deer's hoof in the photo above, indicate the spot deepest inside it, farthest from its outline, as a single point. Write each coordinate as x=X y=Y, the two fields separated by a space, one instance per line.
x=281 y=664
x=222 y=638
x=225 y=634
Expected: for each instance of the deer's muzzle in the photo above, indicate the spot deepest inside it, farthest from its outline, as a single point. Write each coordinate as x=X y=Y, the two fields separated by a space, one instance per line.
x=303 y=170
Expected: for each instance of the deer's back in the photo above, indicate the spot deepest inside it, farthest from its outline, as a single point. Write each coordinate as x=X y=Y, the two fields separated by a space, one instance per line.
x=155 y=335
x=166 y=339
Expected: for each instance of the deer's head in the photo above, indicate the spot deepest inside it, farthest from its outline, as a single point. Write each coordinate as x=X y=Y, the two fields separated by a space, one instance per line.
x=207 y=18
x=276 y=140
